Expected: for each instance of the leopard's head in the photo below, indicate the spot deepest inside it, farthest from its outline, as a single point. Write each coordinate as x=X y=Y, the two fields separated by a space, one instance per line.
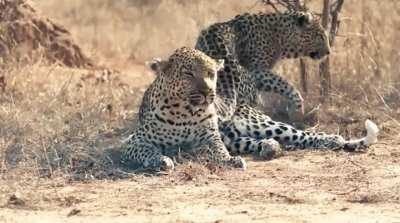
x=191 y=75
x=303 y=36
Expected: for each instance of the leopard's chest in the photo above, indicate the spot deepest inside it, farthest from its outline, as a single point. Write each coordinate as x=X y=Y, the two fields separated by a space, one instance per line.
x=184 y=136
x=170 y=132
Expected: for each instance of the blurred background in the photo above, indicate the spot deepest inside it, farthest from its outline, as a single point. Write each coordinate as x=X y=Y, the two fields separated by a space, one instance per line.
x=141 y=29
x=364 y=63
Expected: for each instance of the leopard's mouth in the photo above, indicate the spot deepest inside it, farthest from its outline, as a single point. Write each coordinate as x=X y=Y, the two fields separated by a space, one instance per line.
x=319 y=54
x=315 y=55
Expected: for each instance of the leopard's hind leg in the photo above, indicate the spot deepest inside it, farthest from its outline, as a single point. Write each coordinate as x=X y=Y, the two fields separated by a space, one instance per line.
x=248 y=122
x=260 y=148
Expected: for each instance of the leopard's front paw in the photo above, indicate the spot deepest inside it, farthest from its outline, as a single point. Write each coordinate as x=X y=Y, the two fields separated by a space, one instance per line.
x=238 y=162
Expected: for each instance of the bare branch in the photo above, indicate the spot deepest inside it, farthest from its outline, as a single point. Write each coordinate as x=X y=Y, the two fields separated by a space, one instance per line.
x=269 y=3
x=291 y=5
x=335 y=23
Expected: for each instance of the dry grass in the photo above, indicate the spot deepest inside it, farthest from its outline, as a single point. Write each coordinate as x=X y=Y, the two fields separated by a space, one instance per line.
x=63 y=121
x=139 y=30
x=56 y=119
x=364 y=62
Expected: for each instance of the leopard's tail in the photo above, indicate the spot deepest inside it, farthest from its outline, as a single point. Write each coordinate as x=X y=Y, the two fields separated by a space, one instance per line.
x=369 y=139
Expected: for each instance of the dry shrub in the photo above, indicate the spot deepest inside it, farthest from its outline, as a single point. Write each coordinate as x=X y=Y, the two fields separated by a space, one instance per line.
x=200 y=172
x=57 y=120
x=25 y=35
x=192 y=172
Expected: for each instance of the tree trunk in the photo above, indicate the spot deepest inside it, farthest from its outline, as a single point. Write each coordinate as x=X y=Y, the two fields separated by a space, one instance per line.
x=324 y=71
x=303 y=76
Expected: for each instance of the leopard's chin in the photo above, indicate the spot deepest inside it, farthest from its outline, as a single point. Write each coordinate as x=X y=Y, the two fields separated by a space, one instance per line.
x=319 y=54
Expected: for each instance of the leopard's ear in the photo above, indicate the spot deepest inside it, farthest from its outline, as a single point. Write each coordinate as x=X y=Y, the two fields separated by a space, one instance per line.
x=220 y=64
x=157 y=65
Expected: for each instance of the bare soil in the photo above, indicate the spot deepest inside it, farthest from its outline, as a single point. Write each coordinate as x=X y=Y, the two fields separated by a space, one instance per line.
x=303 y=186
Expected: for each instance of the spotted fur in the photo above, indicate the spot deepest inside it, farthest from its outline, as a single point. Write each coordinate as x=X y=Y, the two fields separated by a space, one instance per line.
x=251 y=44
x=250 y=131
x=178 y=111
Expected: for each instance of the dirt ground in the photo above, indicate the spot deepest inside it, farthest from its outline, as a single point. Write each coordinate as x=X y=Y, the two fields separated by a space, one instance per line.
x=303 y=186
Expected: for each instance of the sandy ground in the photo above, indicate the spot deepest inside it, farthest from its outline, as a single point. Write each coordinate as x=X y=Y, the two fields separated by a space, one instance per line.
x=303 y=186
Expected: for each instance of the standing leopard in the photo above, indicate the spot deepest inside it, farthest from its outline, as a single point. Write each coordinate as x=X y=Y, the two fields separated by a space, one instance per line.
x=178 y=112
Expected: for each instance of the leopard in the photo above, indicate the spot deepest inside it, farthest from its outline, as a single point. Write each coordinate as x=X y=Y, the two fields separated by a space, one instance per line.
x=251 y=44
x=178 y=111
x=256 y=133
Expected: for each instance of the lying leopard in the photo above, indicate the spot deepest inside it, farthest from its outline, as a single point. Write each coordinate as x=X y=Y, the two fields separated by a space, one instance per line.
x=178 y=111
x=258 y=134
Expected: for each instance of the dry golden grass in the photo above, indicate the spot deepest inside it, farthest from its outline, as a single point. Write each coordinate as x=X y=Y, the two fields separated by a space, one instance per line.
x=364 y=62
x=138 y=30
x=52 y=118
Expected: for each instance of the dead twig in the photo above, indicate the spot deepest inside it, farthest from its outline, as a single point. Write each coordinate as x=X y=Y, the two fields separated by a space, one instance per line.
x=291 y=5
x=73 y=212
x=335 y=9
x=363 y=168
x=346 y=192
